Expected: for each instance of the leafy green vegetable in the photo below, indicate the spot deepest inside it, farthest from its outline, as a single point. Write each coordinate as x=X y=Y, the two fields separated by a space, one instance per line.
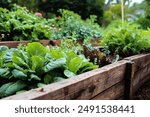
x=18 y=74
x=24 y=69
x=11 y=88
x=48 y=79
x=5 y=73
x=19 y=24
x=20 y=58
x=3 y=48
x=57 y=53
x=127 y=40
x=36 y=49
x=60 y=63
x=68 y=73
x=37 y=63
x=75 y=64
x=71 y=25
x=34 y=77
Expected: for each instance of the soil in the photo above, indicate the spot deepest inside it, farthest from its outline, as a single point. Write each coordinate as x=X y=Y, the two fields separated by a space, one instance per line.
x=143 y=92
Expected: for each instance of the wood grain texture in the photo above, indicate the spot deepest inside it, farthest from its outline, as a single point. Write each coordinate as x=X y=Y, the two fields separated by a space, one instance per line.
x=102 y=83
x=140 y=61
x=112 y=93
x=84 y=86
x=137 y=86
x=141 y=74
x=14 y=44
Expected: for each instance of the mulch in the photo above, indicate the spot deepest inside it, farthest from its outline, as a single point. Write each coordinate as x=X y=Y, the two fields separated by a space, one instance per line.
x=143 y=92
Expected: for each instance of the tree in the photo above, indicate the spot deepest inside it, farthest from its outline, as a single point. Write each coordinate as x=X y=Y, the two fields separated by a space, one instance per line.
x=109 y=2
x=148 y=9
x=30 y=4
x=6 y=3
x=82 y=7
x=145 y=21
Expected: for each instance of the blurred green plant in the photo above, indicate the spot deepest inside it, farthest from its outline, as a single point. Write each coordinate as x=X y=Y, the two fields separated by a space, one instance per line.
x=127 y=40
x=71 y=24
x=19 y=24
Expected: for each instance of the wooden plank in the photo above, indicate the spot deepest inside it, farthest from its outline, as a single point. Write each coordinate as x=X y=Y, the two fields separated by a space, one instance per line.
x=112 y=93
x=137 y=86
x=128 y=94
x=14 y=44
x=141 y=74
x=84 y=86
x=140 y=61
x=92 y=84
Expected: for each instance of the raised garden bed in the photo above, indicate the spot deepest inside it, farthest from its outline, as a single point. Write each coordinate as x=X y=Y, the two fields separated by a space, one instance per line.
x=115 y=81
x=14 y=44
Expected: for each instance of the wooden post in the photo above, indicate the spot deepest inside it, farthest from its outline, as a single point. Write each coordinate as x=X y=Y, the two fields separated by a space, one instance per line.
x=122 y=10
x=129 y=80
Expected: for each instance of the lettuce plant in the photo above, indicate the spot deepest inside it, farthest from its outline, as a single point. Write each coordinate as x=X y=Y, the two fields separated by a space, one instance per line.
x=29 y=67
x=127 y=40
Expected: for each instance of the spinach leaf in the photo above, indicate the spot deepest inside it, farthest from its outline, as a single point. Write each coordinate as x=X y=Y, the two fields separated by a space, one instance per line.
x=68 y=73
x=19 y=74
x=5 y=73
x=20 y=58
x=60 y=63
x=11 y=88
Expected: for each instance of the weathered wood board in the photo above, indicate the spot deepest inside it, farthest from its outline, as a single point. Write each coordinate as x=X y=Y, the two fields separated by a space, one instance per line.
x=109 y=82
x=14 y=44
x=84 y=86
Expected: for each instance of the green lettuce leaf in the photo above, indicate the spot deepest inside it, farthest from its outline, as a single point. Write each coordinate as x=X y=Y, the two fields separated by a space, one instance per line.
x=37 y=63
x=5 y=73
x=36 y=49
x=20 y=58
x=57 y=53
x=11 y=88
x=19 y=74
x=60 y=63
x=75 y=64
x=34 y=77
x=68 y=73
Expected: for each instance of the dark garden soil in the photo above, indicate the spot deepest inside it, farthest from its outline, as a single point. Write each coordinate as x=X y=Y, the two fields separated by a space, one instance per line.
x=143 y=92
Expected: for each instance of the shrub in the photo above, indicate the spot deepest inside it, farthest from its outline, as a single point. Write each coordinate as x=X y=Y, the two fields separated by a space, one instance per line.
x=20 y=24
